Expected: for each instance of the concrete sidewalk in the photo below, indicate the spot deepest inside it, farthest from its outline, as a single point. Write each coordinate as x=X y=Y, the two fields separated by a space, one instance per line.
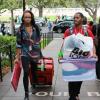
x=6 y=91
x=58 y=91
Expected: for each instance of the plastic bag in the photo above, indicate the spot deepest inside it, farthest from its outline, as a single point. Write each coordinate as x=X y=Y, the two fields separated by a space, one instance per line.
x=83 y=43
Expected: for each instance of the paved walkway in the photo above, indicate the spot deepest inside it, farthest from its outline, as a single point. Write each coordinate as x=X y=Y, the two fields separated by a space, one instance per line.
x=59 y=90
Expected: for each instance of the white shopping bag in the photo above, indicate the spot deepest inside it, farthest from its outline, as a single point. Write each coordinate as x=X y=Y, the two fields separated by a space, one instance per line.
x=84 y=42
x=80 y=41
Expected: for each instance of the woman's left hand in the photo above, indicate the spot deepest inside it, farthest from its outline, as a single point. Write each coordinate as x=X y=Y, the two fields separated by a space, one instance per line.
x=31 y=41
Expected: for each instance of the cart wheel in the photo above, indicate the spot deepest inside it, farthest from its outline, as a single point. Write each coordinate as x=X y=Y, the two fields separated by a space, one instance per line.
x=50 y=86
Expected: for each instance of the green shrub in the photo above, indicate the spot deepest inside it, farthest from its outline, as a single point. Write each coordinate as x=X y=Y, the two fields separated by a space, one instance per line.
x=5 y=62
x=5 y=41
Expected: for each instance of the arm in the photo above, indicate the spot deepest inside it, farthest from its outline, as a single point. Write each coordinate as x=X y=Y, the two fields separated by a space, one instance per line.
x=60 y=53
x=18 y=53
x=94 y=49
x=66 y=33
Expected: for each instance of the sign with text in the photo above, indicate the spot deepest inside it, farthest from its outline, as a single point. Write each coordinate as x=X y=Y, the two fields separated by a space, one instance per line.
x=78 y=69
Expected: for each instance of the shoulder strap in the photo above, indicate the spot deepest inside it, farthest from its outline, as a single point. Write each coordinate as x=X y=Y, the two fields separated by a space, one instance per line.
x=71 y=30
x=85 y=30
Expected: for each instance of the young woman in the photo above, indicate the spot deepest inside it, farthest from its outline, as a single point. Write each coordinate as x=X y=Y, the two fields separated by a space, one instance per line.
x=28 y=38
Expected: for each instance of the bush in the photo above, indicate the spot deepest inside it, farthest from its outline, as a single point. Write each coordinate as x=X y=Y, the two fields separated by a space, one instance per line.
x=5 y=41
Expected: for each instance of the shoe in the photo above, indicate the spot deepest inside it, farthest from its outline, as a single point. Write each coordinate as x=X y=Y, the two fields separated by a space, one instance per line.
x=33 y=90
x=77 y=98
x=26 y=98
x=74 y=98
x=98 y=79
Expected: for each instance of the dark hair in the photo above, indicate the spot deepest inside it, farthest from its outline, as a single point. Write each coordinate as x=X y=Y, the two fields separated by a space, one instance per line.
x=84 y=20
x=82 y=16
x=91 y=23
x=32 y=17
x=32 y=21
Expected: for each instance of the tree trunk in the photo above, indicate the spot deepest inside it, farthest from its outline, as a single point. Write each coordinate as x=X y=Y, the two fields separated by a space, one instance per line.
x=40 y=11
x=24 y=5
x=92 y=13
x=12 y=22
